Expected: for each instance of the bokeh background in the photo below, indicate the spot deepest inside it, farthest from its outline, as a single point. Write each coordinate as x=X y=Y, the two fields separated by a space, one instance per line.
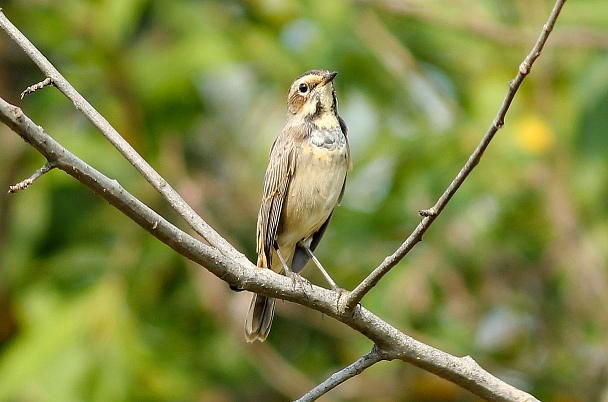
x=513 y=273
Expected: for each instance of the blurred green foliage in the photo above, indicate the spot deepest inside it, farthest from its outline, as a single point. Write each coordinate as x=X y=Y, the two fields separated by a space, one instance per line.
x=514 y=273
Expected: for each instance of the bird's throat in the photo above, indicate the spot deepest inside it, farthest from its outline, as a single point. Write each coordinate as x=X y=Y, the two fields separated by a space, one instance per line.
x=325 y=120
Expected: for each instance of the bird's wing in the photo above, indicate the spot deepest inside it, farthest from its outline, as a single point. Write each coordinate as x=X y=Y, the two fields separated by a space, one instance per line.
x=350 y=165
x=280 y=170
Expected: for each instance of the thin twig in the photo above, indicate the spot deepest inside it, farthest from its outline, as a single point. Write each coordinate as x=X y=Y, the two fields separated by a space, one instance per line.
x=366 y=361
x=155 y=179
x=27 y=182
x=33 y=88
x=431 y=214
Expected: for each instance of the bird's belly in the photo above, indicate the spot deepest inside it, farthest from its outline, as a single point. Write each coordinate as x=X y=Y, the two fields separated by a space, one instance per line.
x=313 y=192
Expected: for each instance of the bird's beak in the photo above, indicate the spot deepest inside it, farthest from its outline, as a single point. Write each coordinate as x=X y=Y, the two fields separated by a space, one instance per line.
x=329 y=77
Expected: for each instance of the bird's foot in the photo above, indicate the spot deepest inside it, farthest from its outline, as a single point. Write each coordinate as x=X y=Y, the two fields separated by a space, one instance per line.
x=297 y=279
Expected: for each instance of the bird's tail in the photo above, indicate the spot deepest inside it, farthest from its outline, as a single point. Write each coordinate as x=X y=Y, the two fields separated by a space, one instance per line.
x=261 y=310
x=259 y=318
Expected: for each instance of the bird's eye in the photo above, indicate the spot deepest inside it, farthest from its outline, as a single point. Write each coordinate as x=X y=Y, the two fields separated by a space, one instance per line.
x=303 y=88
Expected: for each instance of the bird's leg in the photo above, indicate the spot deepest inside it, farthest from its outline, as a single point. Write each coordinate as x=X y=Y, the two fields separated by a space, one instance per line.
x=295 y=277
x=283 y=262
x=318 y=264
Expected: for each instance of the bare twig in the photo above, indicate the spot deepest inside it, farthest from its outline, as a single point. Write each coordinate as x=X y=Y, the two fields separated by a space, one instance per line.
x=431 y=214
x=33 y=88
x=26 y=183
x=366 y=361
x=156 y=180
x=395 y=343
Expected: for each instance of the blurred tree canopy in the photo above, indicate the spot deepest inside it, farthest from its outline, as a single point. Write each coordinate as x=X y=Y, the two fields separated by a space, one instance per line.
x=514 y=272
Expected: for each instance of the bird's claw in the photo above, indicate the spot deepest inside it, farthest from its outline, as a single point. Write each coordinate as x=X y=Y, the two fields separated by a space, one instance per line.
x=297 y=279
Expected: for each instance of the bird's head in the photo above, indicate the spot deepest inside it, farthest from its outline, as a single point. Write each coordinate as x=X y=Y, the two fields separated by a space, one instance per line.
x=312 y=96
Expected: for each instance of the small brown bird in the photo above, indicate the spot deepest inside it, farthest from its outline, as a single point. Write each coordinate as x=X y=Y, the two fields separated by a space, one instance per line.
x=304 y=181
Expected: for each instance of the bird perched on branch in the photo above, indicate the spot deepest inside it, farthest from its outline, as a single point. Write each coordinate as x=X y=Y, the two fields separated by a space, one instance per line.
x=304 y=181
